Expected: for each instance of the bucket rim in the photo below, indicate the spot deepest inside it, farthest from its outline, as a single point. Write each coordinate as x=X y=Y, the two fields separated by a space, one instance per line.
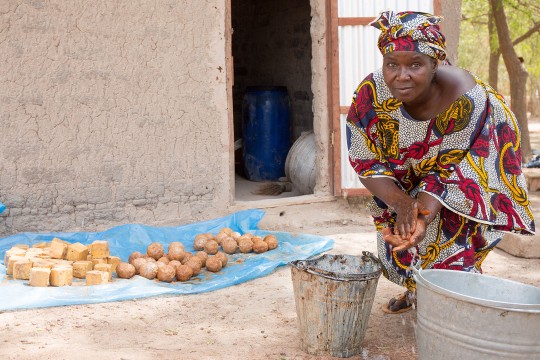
x=517 y=307
x=304 y=265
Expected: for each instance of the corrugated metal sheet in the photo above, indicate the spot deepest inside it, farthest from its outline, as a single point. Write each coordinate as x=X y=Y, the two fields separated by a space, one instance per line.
x=360 y=8
x=359 y=56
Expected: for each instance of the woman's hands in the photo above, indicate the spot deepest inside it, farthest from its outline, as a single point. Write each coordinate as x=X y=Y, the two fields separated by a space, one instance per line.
x=407 y=210
x=399 y=242
x=412 y=215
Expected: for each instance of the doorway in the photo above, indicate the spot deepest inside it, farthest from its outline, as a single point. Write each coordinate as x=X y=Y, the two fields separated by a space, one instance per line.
x=271 y=47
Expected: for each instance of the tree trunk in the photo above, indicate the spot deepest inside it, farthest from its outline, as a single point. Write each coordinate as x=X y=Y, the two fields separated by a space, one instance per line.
x=494 y=54
x=450 y=28
x=534 y=101
x=516 y=73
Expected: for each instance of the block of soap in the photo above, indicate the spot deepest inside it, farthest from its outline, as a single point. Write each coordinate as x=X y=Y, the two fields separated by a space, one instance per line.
x=100 y=249
x=105 y=267
x=39 y=276
x=96 y=277
x=58 y=249
x=76 y=252
x=61 y=276
x=21 y=270
x=42 y=263
x=34 y=251
x=41 y=245
x=13 y=252
x=80 y=268
x=114 y=261
x=11 y=261
x=98 y=261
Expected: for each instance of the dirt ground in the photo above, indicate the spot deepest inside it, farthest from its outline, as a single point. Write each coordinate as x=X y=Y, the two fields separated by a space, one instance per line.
x=254 y=320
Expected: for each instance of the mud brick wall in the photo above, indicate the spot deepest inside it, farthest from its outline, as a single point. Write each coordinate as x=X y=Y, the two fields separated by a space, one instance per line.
x=112 y=112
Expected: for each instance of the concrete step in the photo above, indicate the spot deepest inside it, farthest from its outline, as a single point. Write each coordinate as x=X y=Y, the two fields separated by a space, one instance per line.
x=521 y=246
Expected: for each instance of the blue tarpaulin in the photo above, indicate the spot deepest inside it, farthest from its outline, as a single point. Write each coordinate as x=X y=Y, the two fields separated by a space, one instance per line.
x=125 y=239
x=2 y=207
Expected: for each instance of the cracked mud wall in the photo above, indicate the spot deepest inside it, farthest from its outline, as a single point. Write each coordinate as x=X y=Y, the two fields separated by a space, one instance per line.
x=112 y=112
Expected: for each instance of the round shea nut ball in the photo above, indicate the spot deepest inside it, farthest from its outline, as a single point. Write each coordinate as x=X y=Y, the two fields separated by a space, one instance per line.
x=245 y=245
x=184 y=273
x=176 y=244
x=176 y=251
x=175 y=264
x=137 y=263
x=166 y=273
x=187 y=256
x=213 y=264
x=125 y=270
x=211 y=247
x=203 y=256
x=260 y=247
x=223 y=257
x=149 y=270
x=134 y=255
x=196 y=264
x=221 y=237
x=271 y=241
x=226 y=230
x=229 y=246
x=200 y=240
x=248 y=236
x=155 y=250
x=164 y=259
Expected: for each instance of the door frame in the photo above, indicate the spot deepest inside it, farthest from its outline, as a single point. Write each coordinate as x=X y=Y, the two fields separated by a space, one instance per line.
x=335 y=110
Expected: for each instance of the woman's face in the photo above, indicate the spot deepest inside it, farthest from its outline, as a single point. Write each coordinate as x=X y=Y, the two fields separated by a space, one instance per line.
x=409 y=75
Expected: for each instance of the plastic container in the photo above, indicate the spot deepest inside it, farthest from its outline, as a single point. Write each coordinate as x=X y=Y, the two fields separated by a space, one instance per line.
x=333 y=296
x=266 y=132
x=463 y=315
x=300 y=166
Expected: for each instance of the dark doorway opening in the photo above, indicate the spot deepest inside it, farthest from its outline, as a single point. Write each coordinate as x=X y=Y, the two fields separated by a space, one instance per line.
x=271 y=46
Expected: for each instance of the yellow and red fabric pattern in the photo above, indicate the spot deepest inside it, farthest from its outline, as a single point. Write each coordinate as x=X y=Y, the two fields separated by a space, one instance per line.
x=410 y=31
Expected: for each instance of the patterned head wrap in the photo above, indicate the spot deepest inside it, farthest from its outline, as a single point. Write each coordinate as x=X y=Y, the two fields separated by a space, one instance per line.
x=410 y=31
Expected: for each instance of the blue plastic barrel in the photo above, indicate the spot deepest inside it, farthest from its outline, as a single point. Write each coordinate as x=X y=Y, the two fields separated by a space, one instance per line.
x=265 y=132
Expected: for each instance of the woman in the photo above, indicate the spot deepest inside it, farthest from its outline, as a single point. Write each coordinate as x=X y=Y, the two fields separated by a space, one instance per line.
x=440 y=152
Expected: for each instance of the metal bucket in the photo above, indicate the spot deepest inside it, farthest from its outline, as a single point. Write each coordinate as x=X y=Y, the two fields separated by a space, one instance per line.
x=463 y=315
x=334 y=295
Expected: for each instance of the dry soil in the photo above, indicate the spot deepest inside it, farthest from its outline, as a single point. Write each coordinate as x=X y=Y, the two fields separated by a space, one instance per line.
x=255 y=320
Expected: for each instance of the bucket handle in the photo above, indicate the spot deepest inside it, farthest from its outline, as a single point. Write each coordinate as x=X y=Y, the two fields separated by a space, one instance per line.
x=372 y=257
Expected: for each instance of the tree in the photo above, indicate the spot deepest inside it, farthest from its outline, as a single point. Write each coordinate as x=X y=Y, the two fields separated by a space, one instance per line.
x=495 y=50
x=516 y=72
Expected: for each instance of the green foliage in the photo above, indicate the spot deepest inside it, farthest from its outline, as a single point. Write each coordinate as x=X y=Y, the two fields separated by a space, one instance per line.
x=474 y=42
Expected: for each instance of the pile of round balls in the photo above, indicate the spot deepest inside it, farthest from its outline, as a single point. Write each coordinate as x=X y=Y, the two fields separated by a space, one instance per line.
x=232 y=242
x=183 y=265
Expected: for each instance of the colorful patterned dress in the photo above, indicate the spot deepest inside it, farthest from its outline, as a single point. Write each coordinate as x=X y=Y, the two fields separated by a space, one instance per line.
x=468 y=157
